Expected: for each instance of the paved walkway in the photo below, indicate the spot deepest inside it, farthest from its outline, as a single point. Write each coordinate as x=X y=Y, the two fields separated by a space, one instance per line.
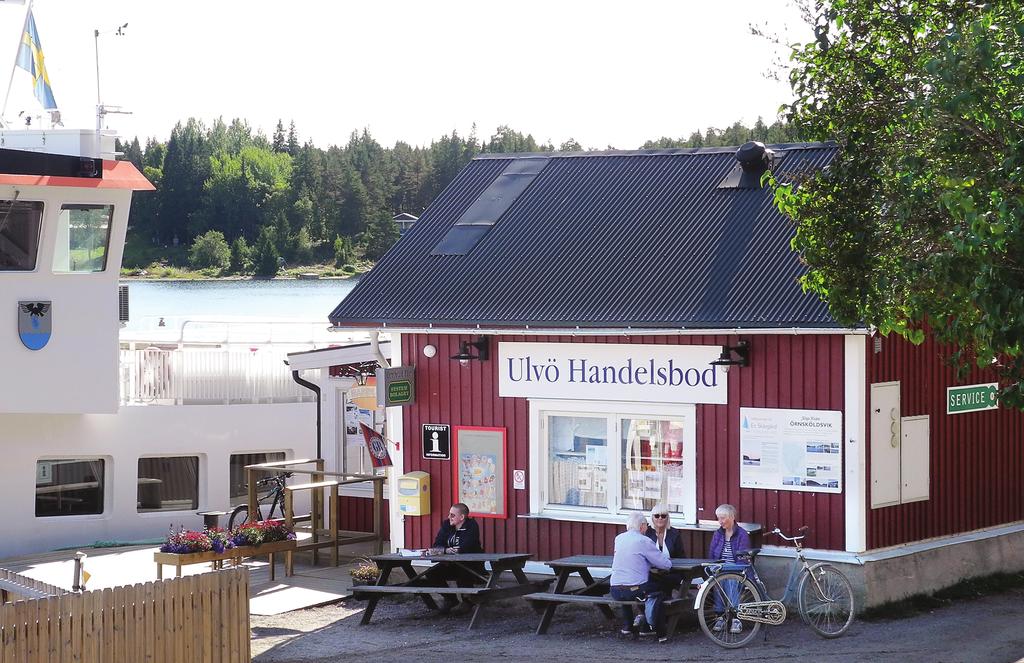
x=111 y=567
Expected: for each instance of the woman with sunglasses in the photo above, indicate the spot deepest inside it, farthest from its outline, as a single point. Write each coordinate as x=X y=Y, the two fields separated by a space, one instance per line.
x=668 y=539
x=670 y=542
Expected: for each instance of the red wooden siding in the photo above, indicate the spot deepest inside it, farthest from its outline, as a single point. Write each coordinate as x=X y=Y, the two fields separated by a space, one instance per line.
x=803 y=372
x=976 y=459
x=356 y=515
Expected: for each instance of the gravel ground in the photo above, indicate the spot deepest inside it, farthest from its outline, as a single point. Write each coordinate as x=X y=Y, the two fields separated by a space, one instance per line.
x=990 y=628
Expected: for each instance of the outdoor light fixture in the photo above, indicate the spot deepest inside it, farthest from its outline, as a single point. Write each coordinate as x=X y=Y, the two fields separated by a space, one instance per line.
x=733 y=355
x=429 y=351
x=483 y=350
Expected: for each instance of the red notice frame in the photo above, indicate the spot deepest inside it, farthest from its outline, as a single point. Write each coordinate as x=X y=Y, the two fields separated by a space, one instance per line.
x=486 y=442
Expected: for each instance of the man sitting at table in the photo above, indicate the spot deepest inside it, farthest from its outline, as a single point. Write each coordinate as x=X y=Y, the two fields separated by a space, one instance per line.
x=459 y=534
x=634 y=557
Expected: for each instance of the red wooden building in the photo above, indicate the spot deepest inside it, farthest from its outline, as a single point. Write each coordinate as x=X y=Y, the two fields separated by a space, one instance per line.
x=598 y=333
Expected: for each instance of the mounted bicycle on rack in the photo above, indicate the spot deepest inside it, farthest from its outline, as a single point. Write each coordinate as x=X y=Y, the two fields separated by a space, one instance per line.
x=240 y=514
x=732 y=603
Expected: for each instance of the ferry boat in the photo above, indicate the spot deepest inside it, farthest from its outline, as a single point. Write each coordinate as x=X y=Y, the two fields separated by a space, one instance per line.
x=109 y=439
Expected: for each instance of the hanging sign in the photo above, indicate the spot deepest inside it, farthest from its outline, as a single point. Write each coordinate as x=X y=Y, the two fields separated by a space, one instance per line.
x=396 y=386
x=377 y=447
x=34 y=324
x=612 y=371
x=437 y=441
x=972 y=398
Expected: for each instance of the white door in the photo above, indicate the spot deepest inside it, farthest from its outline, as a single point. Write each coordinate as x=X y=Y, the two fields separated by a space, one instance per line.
x=885 y=444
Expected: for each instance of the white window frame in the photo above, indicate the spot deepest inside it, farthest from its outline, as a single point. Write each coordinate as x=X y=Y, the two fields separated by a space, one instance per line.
x=200 y=484
x=108 y=486
x=613 y=412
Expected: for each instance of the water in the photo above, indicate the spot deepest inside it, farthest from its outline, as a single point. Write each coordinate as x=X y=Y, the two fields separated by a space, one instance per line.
x=179 y=301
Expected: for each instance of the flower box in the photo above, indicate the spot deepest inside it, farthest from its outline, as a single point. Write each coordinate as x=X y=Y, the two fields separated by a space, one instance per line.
x=179 y=560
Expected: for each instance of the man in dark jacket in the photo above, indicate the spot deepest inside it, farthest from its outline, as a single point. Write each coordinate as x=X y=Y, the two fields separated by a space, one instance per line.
x=459 y=534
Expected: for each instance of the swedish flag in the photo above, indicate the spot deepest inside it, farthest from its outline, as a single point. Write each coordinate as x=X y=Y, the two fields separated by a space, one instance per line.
x=30 y=58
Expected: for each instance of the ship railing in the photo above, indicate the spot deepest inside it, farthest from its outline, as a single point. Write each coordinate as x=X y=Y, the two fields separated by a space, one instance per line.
x=204 y=376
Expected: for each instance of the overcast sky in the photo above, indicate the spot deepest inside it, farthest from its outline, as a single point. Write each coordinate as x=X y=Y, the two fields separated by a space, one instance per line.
x=604 y=73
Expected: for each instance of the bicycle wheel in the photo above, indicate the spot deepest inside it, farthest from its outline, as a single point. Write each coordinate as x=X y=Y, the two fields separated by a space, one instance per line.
x=717 y=609
x=240 y=515
x=826 y=600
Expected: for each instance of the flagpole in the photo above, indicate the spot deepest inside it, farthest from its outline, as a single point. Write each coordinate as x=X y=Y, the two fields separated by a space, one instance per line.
x=14 y=65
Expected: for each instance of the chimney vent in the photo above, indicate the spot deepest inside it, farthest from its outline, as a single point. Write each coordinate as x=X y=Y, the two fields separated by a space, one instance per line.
x=753 y=159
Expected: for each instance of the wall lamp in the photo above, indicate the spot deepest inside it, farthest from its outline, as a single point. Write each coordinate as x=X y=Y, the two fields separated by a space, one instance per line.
x=733 y=355
x=483 y=350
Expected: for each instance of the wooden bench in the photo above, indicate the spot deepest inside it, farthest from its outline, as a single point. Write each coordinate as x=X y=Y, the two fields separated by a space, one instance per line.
x=673 y=608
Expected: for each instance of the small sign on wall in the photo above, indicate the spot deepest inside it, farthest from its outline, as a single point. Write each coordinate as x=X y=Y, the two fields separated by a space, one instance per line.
x=972 y=398
x=519 y=479
x=437 y=441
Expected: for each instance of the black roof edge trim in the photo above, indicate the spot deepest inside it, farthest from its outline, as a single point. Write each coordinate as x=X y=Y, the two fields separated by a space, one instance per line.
x=652 y=152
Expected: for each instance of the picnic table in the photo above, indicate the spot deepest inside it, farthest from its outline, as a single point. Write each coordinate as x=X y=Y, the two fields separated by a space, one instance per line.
x=595 y=592
x=429 y=581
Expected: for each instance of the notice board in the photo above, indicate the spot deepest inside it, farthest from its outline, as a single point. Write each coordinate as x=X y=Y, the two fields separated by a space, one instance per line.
x=798 y=450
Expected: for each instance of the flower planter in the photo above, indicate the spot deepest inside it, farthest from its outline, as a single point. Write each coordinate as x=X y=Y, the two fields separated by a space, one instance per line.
x=269 y=549
x=179 y=560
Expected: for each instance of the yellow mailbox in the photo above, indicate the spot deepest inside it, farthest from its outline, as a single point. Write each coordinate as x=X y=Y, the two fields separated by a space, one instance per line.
x=414 y=494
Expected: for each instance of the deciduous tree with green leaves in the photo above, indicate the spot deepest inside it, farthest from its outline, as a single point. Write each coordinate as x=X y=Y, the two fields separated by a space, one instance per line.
x=210 y=250
x=918 y=222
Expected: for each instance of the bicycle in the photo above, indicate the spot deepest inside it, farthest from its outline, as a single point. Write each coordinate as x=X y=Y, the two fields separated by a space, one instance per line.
x=824 y=598
x=240 y=514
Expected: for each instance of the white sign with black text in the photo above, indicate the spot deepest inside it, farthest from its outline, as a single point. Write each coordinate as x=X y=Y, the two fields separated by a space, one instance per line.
x=791 y=449
x=612 y=371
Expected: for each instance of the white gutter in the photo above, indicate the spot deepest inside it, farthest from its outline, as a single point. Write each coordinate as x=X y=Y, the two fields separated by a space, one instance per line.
x=375 y=348
x=598 y=331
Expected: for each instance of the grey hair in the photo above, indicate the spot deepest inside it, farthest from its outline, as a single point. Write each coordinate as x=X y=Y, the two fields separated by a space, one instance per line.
x=661 y=508
x=634 y=521
x=726 y=510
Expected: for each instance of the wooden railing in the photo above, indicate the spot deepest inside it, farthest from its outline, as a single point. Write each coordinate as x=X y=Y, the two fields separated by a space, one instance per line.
x=201 y=618
x=14 y=586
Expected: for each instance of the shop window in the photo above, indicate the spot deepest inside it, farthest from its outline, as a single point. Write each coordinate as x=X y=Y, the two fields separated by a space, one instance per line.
x=239 y=492
x=19 y=235
x=83 y=238
x=578 y=460
x=69 y=487
x=168 y=484
x=652 y=461
x=652 y=450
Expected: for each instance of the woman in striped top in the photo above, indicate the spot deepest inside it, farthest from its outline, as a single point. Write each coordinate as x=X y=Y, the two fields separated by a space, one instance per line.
x=728 y=542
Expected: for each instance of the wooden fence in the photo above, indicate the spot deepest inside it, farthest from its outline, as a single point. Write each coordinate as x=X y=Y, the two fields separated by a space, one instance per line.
x=14 y=586
x=200 y=618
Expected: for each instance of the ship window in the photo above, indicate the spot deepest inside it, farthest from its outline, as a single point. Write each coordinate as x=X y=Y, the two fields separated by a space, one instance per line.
x=69 y=487
x=19 y=235
x=239 y=491
x=83 y=237
x=168 y=484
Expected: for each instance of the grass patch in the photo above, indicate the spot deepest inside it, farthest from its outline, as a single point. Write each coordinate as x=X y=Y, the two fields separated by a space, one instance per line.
x=964 y=590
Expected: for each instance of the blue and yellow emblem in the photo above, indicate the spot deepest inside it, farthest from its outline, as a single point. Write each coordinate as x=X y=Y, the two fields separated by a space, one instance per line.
x=34 y=326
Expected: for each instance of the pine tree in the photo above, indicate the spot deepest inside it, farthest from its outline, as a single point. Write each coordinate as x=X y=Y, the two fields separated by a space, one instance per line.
x=265 y=256
x=240 y=255
x=278 y=144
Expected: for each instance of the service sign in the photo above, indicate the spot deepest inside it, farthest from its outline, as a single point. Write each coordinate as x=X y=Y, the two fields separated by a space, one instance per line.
x=972 y=398
x=612 y=371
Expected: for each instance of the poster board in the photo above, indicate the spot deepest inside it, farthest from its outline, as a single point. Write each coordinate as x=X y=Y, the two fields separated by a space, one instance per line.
x=479 y=470
x=800 y=450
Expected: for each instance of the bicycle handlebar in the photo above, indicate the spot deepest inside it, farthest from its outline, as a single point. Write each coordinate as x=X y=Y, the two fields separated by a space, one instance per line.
x=277 y=478
x=803 y=532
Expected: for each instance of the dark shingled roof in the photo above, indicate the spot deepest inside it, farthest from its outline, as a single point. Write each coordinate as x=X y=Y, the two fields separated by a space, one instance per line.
x=641 y=239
